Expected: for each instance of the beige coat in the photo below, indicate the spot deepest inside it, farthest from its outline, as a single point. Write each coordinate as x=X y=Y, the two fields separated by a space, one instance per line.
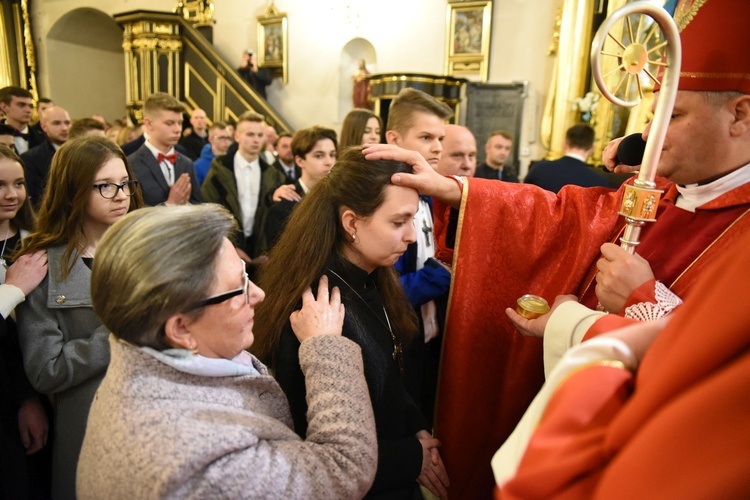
x=155 y=432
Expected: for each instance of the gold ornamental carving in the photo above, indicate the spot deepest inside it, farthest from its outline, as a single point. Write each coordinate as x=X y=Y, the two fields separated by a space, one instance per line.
x=640 y=203
x=164 y=29
x=196 y=12
x=145 y=43
x=170 y=45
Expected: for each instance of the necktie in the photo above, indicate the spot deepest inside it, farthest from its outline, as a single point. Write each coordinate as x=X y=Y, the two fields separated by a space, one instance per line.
x=171 y=158
x=18 y=133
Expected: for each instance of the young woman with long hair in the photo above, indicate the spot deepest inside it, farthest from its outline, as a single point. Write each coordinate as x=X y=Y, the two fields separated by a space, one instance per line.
x=360 y=127
x=64 y=344
x=23 y=420
x=352 y=227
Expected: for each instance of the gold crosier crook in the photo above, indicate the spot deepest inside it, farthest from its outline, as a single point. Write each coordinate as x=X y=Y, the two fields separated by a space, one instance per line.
x=639 y=201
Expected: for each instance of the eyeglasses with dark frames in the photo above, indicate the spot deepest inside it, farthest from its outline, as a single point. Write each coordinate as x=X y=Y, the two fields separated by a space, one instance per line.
x=223 y=297
x=109 y=190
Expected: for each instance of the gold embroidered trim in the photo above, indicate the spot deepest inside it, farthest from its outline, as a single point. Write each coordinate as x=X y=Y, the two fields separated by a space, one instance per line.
x=709 y=246
x=686 y=11
x=583 y=294
x=459 y=230
x=593 y=277
x=691 y=74
x=611 y=363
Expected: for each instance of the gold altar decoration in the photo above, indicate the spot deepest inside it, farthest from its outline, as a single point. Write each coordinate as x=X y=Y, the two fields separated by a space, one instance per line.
x=273 y=42
x=467 y=38
x=569 y=73
x=633 y=60
x=196 y=12
x=17 y=53
x=152 y=61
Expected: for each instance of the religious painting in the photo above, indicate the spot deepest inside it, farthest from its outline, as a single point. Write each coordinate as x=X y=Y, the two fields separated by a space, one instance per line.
x=469 y=25
x=272 y=42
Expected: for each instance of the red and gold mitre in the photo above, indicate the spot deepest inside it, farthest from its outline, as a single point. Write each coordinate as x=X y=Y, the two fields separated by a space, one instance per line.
x=715 y=44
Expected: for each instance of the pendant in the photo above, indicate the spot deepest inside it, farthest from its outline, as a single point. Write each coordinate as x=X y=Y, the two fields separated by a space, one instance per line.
x=398 y=356
x=3 y=263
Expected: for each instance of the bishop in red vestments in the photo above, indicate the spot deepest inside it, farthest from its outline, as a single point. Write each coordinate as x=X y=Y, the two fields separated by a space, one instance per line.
x=514 y=239
x=677 y=428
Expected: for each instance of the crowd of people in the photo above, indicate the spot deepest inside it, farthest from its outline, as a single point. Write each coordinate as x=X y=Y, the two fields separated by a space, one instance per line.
x=237 y=312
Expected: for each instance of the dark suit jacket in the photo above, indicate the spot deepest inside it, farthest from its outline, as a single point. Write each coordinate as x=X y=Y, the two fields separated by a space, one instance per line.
x=36 y=162
x=131 y=147
x=484 y=171
x=276 y=218
x=553 y=175
x=297 y=172
x=153 y=184
x=193 y=144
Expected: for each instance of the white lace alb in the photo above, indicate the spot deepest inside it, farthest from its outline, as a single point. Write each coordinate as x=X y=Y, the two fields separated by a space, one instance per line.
x=666 y=302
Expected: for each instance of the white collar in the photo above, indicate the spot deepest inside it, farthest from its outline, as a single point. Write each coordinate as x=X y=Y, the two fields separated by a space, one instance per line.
x=195 y=364
x=305 y=189
x=241 y=162
x=695 y=195
x=577 y=157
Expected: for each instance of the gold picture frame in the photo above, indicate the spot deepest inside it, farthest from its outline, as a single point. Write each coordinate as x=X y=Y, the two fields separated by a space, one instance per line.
x=467 y=39
x=273 y=42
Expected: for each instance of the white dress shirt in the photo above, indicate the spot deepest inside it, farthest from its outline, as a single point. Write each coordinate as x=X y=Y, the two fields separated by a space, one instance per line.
x=22 y=145
x=248 y=190
x=166 y=166
x=426 y=250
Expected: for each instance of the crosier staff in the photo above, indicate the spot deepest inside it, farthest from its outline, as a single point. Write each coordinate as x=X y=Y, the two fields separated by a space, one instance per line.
x=640 y=200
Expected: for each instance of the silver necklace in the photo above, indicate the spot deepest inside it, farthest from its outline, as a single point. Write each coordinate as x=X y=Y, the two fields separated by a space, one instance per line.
x=2 y=252
x=397 y=350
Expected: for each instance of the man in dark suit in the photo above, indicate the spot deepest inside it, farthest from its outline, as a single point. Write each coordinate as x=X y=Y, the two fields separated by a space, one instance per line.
x=497 y=150
x=165 y=175
x=571 y=168
x=285 y=159
x=16 y=104
x=37 y=160
x=194 y=142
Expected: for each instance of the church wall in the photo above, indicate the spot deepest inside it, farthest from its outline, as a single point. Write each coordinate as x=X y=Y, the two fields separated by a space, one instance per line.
x=407 y=37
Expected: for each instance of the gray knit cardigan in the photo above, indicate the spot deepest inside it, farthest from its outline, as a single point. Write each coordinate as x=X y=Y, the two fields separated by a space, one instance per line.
x=155 y=432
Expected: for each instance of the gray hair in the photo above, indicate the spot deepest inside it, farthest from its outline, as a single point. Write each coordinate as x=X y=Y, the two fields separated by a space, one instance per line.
x=717 y=98
x=154 y=263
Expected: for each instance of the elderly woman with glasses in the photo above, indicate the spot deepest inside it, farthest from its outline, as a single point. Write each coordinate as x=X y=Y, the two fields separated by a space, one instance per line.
x=184 y=410
x=64 y=344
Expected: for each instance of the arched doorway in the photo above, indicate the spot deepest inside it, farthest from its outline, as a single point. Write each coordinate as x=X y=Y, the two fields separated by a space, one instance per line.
x=354 y=50
x=86 y=64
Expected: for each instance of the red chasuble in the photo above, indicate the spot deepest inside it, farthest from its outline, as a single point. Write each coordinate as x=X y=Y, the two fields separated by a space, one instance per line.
x=682 y=433
x=514 y=239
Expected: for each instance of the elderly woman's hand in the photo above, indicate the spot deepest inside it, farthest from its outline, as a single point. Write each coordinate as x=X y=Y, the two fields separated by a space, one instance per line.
x=321 y=316
x=28 y=271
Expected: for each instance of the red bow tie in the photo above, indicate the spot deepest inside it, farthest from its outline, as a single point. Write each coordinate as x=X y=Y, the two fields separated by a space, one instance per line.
x=171 y=158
